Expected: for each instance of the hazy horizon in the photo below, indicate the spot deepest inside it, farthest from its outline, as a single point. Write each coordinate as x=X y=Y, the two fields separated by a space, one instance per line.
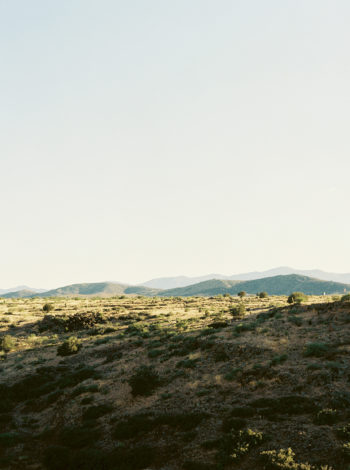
x=154 y=139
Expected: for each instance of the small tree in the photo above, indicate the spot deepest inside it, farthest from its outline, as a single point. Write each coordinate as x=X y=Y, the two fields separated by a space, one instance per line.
x=263 y=295
x=241 y=294
x=297 y=298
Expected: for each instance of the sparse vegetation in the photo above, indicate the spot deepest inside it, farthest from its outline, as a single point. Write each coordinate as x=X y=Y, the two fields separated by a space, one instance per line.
x=224 y=382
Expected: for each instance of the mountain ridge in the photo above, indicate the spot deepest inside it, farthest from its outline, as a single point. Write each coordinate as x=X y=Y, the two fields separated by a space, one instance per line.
x=183 y=281
x=274 y=285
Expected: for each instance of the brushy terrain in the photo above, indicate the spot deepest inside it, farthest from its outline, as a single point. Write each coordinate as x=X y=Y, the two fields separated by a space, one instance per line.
x=127 y=383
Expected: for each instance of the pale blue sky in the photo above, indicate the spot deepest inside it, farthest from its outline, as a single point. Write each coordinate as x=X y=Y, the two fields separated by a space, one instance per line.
x=149 y=138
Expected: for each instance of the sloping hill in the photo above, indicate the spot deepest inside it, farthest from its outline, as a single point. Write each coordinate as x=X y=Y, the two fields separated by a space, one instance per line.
x=275 y=285
x=20 y=288
x=102 y=289
x=206 y=288
x=19 y=294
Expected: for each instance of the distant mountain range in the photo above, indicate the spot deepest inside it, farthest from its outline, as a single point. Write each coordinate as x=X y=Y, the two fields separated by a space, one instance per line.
x=273 y=285
x=183 y=281
x=20 y=288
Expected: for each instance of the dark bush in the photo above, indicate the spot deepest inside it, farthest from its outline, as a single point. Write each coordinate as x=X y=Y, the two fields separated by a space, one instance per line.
x=75 y=322
x=79 y=436
x=243 y=411
x=316 y=349
x=263 y=295
x=57 y=458
x=235 y=424
x=82 y=321
x=144 y=381
x=327 y=416
x=9 y=439
x=297 y=298
x=290 y=405
x=194 y=465
x=132 y=426
x=218 y=324
x=95 y=412
x=136 y=458
x=48 y=307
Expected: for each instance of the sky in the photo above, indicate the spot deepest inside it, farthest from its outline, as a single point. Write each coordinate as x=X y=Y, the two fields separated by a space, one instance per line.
x=141 y=139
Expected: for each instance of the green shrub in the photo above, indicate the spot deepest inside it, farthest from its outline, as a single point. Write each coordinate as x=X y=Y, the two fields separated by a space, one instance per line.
x=316 y=349
x=155 y=353
x=237 y=310
x=278 y=359
x=297 y=298
x=71 y=346
x=282 y=459
x=242 y=293
x=48 y=307
x=144 y=381
x=345 y=298
x=218 y=324
x=242 y=327
x=187 y=364
x=263 y=295
x=6 y=343
x=232 y=374
x=295 y=320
